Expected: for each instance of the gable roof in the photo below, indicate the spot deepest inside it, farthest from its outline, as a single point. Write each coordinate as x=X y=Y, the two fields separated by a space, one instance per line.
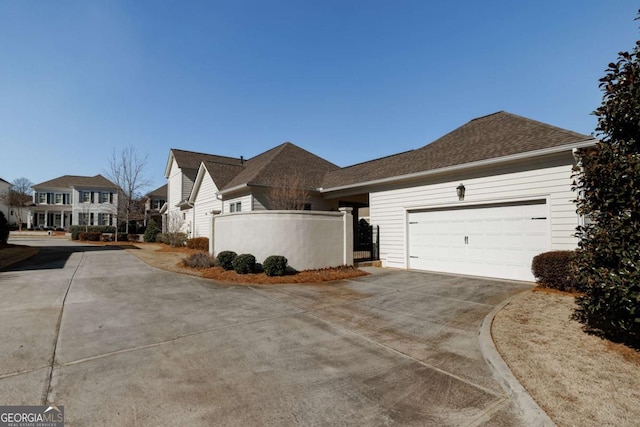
x=77 y=181
x=189 y=161
x=160 y=192
x=286 y=159
x=489 y=137
x=2 y=180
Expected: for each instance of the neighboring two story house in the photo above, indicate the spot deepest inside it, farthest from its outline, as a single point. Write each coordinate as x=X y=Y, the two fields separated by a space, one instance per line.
x=73 y=200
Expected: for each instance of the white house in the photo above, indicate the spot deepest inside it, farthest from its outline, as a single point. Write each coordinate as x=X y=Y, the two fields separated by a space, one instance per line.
x=181 y=170
x=225 y=185
x=482 y=200
x=73 y=200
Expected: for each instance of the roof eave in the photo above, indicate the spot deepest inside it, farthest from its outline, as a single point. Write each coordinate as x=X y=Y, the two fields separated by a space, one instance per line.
x=479 y=163
x=234 y=189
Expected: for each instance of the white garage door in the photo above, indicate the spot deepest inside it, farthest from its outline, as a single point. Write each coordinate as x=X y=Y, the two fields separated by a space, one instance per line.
x=489 y=240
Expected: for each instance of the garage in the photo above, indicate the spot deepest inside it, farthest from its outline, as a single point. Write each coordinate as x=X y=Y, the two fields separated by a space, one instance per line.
x=491 y=240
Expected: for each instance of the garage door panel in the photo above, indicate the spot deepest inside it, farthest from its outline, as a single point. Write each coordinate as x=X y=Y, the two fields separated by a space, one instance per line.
x=493 y=241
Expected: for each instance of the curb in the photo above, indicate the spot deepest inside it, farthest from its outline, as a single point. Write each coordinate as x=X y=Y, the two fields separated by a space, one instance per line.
x=532 y=414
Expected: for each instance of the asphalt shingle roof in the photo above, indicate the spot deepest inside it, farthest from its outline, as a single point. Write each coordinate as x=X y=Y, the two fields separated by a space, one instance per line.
x=159 y=192
x=284 y=160
x=77 y=181
x=496 y=135
x=222 y=173
x=189 y=161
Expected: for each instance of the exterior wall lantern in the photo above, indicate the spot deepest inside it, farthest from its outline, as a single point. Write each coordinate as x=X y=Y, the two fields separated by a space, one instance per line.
x=460 y=191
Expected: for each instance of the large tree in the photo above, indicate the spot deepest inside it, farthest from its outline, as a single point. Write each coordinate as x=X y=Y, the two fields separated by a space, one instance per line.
x=608 y=185
x=126 y=170
x=18 y=198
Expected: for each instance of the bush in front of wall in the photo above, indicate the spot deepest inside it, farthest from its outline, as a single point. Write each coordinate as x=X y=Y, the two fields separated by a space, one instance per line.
x=554 y=269
x=77 y=229
x=201 y=243
x=90 y=236
x=244 y=264
x=275 y=265
x=225 y=259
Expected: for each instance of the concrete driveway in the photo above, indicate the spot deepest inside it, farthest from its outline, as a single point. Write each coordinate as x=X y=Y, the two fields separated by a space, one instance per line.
x=118 y=342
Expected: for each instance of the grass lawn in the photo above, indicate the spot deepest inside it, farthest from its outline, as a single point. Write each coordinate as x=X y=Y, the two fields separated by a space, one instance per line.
x=577 y=378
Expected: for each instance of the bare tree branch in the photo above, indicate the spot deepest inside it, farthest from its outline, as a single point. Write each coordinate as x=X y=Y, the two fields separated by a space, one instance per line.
x=287 y=193
x=126 y=170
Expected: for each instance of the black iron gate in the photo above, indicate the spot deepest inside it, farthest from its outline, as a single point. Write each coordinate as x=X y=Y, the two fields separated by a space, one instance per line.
x=366 y=242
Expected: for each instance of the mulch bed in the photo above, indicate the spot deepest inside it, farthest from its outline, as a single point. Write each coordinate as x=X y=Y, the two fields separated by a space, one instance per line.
x=307 y=276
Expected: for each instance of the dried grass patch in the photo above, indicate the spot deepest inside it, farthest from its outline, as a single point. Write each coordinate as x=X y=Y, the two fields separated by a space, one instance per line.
x=577 y=378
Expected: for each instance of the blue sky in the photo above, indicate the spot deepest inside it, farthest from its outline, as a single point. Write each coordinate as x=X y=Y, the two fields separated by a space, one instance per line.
x=347 y=80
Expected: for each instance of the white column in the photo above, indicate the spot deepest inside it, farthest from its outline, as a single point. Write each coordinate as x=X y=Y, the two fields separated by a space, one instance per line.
x=347 y=235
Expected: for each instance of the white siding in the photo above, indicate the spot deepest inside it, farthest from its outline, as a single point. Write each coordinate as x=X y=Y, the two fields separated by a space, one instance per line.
x=246 y=201
x=388 y=207
x=174 y=192
x=205 y=202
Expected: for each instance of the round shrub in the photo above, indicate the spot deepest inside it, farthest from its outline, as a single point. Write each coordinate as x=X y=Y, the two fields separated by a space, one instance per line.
x=275 y=265
x=554 y=270
x=225 y=259
x=244 y=264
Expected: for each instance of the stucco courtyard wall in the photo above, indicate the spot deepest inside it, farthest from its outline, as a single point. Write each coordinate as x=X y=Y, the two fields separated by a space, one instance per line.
x=308 y=239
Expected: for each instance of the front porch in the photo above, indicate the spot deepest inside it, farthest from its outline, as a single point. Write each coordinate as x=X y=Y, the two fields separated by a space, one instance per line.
x=50 y=219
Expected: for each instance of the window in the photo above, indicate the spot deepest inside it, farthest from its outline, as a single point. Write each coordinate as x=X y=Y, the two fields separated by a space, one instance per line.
x=59 y=199
x=104 y=219
x=235 y=207
x=86 y=196
x=42 y=197
x=104 y=197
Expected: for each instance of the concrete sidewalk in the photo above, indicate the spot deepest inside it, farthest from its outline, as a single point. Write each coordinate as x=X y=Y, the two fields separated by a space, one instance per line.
x=137 y=345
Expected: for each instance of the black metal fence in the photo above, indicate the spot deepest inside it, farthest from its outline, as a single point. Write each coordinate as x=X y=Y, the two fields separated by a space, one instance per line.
x=366 y=243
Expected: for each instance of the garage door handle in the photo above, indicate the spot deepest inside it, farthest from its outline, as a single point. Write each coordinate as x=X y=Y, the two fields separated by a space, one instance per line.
x=466 y=240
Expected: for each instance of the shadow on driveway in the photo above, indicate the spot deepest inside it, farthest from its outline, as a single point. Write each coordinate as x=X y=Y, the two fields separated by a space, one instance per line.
x=54 y=257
